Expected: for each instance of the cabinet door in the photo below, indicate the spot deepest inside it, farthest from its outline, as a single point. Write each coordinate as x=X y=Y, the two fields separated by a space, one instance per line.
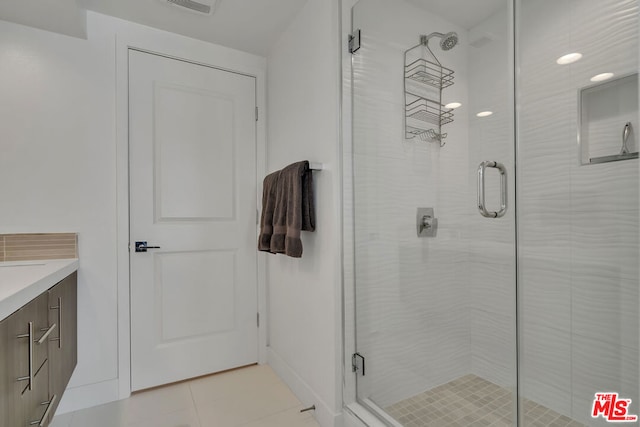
x=5 y=379
x=26 y=362
x=39 y=401
x=63 y=341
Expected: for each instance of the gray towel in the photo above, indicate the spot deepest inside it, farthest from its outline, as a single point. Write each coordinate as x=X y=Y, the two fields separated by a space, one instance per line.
x=269 y=187
x=293 y=210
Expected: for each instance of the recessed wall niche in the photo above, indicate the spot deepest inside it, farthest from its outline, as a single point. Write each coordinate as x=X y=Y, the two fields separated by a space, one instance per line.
x=608 y=121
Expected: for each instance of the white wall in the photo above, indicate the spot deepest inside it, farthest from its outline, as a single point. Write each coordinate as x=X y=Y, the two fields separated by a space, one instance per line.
x=304 y=294
x=58 y=167
x=63 y=167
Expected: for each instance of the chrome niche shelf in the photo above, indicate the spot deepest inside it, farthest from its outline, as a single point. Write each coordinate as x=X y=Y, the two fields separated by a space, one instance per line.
x=424 y=80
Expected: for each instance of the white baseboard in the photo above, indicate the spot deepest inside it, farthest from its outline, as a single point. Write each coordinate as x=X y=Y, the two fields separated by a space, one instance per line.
x=323 y=414
x=87 y=396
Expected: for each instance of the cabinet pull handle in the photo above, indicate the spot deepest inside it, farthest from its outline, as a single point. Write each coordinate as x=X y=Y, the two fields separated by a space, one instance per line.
x=46 y=334
x=30 y=336
x=42 y=420
x=59 y=308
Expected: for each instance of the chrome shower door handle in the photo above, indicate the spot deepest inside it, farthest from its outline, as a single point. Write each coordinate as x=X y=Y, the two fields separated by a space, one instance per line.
x=481 y=189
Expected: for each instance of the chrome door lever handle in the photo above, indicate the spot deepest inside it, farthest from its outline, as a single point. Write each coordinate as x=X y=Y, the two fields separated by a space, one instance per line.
x=142 y=246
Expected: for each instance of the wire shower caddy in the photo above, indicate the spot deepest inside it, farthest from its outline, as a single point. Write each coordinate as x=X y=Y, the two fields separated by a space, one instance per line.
x=424 y=80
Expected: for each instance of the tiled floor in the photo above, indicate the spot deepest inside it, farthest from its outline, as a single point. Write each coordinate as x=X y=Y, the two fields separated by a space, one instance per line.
x=249 y=397
x=471 y=401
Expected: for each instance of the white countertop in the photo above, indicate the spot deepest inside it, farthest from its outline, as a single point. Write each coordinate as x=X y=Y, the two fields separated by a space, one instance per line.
x=22 y=281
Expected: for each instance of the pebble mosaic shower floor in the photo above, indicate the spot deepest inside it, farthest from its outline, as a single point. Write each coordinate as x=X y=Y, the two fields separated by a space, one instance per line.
x=471 y=401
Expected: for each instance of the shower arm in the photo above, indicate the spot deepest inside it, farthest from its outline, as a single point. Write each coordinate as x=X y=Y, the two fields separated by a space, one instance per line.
x=424 y=41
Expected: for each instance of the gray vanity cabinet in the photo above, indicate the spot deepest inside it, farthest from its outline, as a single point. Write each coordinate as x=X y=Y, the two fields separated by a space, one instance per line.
x=37 y=356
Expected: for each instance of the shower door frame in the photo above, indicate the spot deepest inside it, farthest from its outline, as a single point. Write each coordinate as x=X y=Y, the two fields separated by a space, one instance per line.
x=356 y=412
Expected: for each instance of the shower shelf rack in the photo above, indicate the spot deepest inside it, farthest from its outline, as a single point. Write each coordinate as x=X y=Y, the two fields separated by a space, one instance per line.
x=429 y=73
x=424 y=81
x=429 y=111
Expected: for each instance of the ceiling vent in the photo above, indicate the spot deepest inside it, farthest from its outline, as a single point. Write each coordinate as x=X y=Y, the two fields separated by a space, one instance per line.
x=202 y=7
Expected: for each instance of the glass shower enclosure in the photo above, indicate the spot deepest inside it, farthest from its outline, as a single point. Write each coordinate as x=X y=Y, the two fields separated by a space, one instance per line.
x=492 y=212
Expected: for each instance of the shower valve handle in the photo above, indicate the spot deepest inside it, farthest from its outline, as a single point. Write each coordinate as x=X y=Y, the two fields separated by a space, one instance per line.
x=426 y=223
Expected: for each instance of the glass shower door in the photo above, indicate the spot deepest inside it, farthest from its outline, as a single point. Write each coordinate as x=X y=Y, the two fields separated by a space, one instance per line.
x=435 y=279
x=578 y=245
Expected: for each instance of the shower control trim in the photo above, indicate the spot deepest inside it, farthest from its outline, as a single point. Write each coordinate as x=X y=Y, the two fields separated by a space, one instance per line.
x=426 y=222
x=481 y=189
x=354 y=41
x=358 y=367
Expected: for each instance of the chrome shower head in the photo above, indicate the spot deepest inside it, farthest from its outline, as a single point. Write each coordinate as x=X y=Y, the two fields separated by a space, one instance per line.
x=447 y=42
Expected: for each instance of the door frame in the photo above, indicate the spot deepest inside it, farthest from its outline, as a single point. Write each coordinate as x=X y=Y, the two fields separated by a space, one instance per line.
x=201 y=53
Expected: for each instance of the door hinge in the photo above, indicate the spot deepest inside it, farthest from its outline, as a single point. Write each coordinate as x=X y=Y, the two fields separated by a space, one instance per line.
x=355 y=367
x=256 y=114
x=354 y=41
x=258 y=319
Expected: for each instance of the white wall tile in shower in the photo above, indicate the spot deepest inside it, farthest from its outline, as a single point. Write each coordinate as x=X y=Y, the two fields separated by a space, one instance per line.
x=605 y=308
x=607 y=240
x=545 y=363
x=493 y=355
x=605 y=187
x=545 y=292
x=601 y=367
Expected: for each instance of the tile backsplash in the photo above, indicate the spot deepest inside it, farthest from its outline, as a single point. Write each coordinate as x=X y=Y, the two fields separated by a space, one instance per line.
x=33 y=246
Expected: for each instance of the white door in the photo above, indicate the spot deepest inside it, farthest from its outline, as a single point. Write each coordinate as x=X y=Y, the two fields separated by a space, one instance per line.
x=192 y=143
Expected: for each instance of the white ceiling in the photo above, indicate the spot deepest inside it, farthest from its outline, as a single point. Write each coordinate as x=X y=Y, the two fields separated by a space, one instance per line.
x=465 y=13
x=60 y=16
x=248 y=25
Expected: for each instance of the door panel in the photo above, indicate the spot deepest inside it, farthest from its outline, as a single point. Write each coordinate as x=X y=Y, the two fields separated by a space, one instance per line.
x=578 y=224
x=186 y=121
x=193 y=193
x=190 y=311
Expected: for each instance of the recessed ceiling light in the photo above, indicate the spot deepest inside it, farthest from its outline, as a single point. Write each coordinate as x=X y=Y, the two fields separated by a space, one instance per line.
x=601 y=77
x=453 y=105
x=569 y=58
x=484 y=113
